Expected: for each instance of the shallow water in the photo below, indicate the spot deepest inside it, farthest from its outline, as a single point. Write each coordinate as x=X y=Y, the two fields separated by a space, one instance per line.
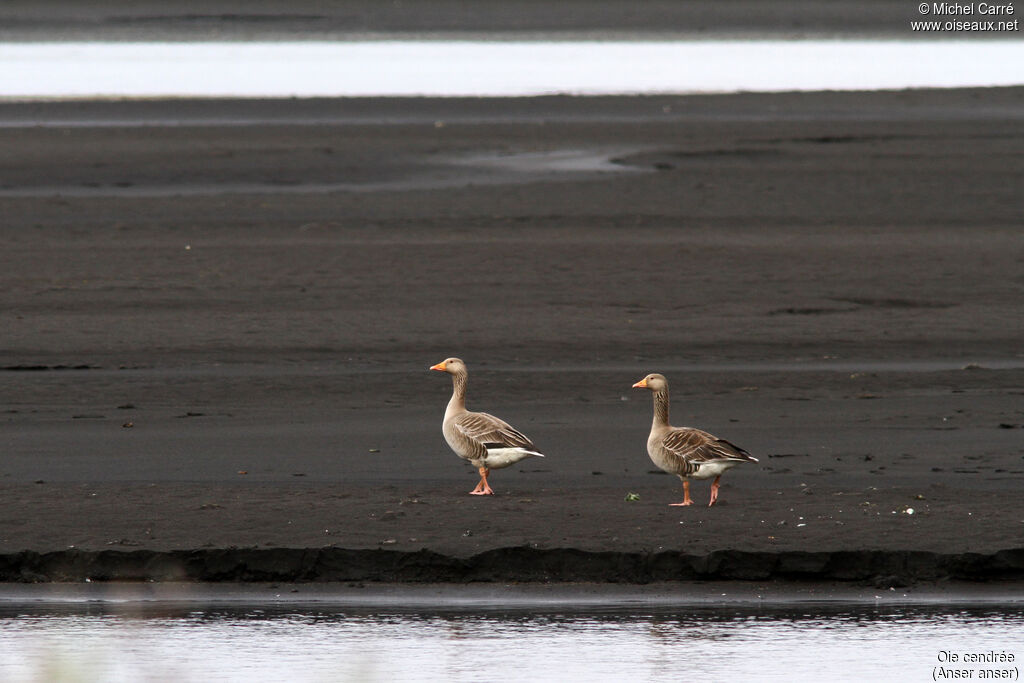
x=154 y=642
x=497 y=68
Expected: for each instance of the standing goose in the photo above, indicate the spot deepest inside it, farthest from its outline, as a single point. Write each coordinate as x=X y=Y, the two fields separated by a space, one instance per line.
x=685 y=452
x=482 y=439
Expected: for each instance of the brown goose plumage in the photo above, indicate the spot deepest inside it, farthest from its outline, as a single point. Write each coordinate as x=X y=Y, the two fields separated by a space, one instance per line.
x=686 y=452
x=487 y=442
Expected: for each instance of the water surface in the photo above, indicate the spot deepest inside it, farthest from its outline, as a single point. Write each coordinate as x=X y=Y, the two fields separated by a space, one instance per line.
x=154 y=642
x=497 y=68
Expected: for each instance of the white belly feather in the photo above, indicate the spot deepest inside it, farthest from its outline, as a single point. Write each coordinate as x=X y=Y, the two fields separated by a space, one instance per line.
x=707 y=470
x=503 y=457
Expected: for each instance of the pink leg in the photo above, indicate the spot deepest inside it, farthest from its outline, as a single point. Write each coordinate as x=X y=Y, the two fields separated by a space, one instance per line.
x=714 y=490
x=482 y=489
x=686 y=495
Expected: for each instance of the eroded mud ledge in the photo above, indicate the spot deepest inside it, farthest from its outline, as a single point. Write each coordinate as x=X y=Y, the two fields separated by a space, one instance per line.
x=520 y=564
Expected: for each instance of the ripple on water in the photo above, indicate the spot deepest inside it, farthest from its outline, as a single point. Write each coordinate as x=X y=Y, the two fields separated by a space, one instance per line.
x=93 y=642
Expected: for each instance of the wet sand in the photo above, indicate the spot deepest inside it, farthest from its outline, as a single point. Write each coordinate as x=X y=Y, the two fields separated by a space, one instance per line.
x=218 y=318
x=169 y=596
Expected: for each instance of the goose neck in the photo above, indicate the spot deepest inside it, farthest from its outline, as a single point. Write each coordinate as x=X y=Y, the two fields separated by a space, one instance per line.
x=458 y=400
x=661 y=408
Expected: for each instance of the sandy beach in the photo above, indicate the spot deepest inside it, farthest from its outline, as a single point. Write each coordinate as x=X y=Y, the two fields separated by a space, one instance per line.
x=219 y=315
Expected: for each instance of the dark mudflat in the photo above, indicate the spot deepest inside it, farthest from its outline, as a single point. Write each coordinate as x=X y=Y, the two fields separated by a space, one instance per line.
x=217 y=328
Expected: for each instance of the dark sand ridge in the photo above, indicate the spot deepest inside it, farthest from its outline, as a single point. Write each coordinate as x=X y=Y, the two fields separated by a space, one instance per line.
x=833 y=281
x=314 y=20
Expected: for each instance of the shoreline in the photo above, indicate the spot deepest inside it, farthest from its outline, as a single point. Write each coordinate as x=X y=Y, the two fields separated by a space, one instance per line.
x=844 y=106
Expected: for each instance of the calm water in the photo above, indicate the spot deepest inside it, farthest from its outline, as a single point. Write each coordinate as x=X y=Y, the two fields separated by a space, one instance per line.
x=100 y=642
x=498 y=68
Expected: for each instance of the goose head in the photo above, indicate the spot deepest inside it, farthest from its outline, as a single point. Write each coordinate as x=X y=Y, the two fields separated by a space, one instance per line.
x=653 y=381
x=453 y=366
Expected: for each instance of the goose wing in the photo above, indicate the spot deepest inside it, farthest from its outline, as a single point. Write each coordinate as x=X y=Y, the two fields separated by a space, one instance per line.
x=693 y=446
x=491 y=432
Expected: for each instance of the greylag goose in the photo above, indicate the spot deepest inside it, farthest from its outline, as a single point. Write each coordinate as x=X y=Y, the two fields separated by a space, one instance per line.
x=688 y=453
x=484 y=440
